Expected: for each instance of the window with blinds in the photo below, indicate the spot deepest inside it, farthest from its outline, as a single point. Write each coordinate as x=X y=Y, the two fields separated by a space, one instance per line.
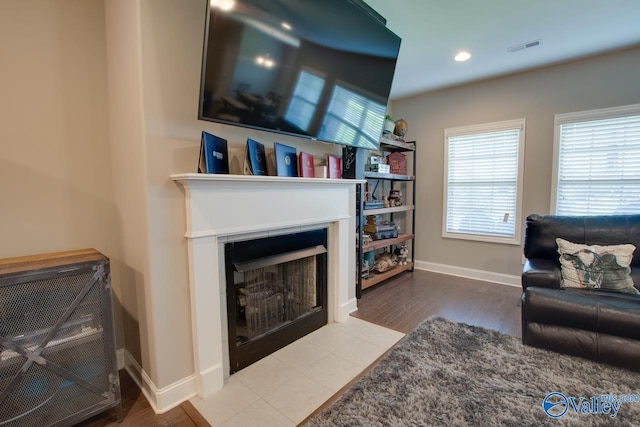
x=304 y=100
x=597 y=162
x=353 y=119
x=483 y=182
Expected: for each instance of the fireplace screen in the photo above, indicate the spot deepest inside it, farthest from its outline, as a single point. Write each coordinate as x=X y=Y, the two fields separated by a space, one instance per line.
x=273 y=300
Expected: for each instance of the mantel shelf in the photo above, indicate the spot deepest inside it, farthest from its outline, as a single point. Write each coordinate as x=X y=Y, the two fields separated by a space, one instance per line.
x=206 y=180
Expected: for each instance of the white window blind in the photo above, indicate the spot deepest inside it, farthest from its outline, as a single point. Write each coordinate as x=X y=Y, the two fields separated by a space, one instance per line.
x=304 y=100
x=353 y=119
x=483 y=182
x=598 y=163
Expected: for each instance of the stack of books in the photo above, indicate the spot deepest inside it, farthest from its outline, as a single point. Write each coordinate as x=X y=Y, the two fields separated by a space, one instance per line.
x=373 y=204
x=379 y=230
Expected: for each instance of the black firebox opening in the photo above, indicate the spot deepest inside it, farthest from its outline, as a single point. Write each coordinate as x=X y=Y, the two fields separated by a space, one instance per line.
x=276 y=293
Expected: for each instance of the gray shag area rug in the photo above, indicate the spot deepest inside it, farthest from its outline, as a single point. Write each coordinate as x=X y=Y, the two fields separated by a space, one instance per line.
x=451 y=374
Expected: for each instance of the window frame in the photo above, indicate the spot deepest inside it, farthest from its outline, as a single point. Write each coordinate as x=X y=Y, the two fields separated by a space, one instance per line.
x=519 y=124
x=576 y=117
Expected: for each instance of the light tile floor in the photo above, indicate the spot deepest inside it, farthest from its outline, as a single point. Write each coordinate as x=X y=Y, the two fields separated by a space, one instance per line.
x=284 y=388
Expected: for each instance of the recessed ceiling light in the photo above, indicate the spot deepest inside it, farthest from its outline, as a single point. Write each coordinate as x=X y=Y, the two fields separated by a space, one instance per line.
x=462 y=56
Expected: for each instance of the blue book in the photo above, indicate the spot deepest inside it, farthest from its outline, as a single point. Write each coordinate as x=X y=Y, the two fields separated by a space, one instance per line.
x=255 y=160
x=286 y=160
x=214 y=157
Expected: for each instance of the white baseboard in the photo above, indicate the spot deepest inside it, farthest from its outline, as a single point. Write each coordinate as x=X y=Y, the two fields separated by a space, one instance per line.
x=162 y=399
x=469 y=273
x=347 y=308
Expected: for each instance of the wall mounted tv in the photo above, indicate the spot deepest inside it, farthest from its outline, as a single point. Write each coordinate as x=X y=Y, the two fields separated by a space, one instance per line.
x=320 y=69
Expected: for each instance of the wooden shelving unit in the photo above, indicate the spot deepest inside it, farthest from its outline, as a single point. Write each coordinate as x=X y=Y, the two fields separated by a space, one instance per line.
x=405 y=212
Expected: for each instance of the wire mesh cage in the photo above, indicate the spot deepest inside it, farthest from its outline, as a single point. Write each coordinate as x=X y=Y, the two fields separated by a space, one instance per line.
x=57 y=347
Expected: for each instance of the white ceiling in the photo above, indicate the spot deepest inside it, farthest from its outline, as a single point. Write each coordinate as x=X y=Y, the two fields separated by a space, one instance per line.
x=433 y=31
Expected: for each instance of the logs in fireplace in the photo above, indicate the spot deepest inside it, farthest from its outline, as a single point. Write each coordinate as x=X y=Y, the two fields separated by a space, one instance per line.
x=276 y=293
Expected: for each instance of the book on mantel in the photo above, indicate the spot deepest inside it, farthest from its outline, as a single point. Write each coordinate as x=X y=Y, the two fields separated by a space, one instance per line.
x=306 y=167
x=334 y=165
x=255 y=160
x=214 y=157
x=286 y=160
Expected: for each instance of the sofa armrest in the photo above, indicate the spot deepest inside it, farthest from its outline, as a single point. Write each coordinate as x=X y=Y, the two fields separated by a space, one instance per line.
x=543 y=273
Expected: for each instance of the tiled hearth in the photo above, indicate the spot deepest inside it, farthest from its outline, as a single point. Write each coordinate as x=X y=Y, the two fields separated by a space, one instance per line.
x=284 y=388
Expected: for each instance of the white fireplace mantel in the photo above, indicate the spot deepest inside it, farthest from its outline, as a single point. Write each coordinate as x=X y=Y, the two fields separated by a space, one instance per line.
x=226 y=208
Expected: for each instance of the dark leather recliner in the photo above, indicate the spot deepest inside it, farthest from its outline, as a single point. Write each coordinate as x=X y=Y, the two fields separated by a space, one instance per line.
x=595 y=324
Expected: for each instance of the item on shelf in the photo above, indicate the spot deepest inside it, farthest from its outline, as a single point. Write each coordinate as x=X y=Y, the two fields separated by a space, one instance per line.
x=366 y=239
x=401 y=128
x=389 y=234
x=397 y=163
x=255 y=160
x=370 y=258
x=320 y=171
x=214 y=157
x=401 y=253
x=395 y=198
x=305 y=165
x=379 y=168
x=334 y=163
x=376 y=160
x=385 y=201
x=373 y=204
x=381 y=226
x=286 y=160
x=365 y=270
x=389 y=124
x=385 y=262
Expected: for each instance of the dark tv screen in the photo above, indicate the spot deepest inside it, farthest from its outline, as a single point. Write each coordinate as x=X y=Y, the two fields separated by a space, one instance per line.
x=320 y=69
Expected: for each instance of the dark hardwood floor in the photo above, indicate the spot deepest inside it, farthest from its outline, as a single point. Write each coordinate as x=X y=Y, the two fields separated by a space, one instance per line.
x=404 y=301
x=400 y=303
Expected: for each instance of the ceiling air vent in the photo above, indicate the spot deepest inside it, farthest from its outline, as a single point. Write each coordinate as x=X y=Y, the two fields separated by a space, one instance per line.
x=523 y=46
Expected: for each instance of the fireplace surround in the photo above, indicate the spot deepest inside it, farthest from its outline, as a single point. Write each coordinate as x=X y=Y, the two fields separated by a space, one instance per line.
x=230 y=208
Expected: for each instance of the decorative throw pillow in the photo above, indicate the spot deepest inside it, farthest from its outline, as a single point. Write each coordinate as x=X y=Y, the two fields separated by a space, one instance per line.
x=596 y=267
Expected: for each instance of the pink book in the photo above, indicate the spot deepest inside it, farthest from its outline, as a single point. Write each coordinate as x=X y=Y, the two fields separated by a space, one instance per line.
x=334 y=164
x=305 y=168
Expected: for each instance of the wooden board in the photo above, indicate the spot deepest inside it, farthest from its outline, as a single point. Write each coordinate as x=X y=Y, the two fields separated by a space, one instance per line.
x=379 y=277
x=50 y=260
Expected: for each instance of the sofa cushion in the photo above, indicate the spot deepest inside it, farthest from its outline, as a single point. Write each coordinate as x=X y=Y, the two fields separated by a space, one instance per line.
x=596 y=267
x=542 y=230
x=599 y=311
x=541 y=272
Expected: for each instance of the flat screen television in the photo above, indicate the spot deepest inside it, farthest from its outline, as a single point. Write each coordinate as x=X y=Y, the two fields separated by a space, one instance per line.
x=320 y=69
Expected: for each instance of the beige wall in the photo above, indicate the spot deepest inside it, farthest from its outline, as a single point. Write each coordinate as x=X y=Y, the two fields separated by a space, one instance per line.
x=603 y=81
x=155 y=49
x=55 y=160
